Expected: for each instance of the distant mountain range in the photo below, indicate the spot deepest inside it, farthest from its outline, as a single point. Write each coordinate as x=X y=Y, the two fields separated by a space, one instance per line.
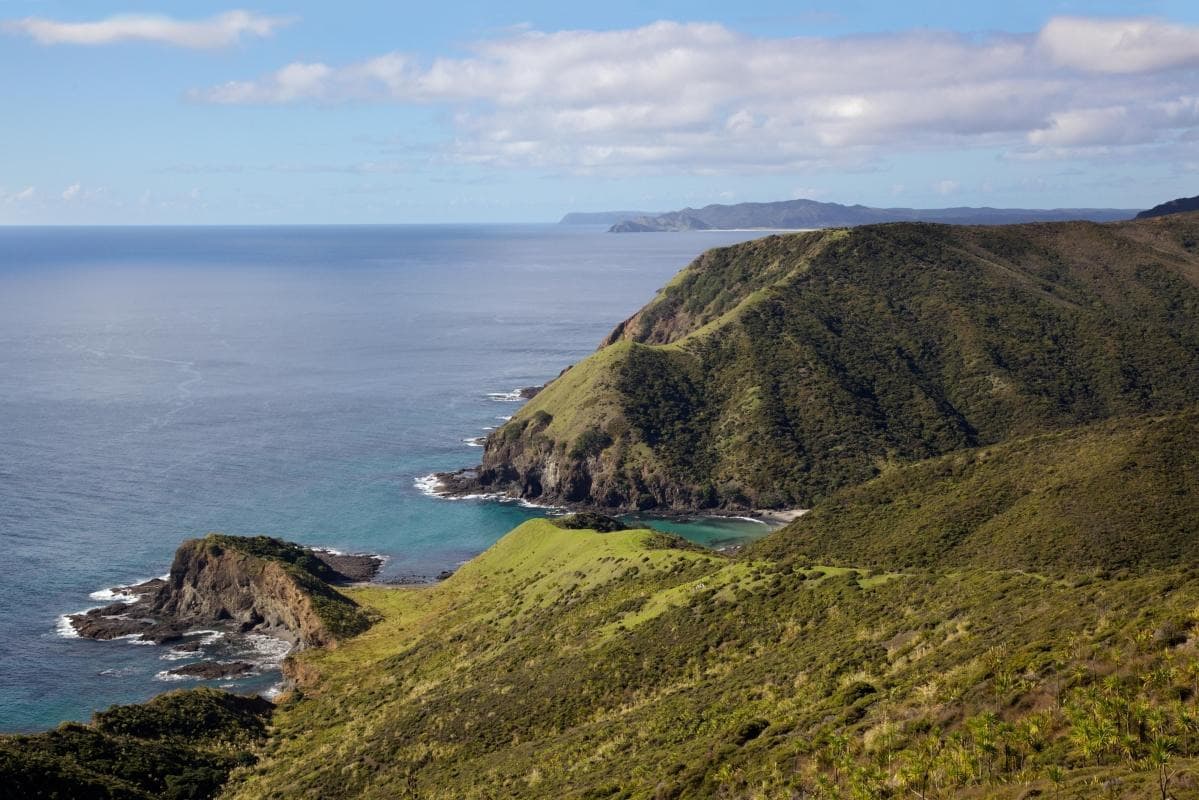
x=797 y=214
x=602 y=217
x=1172 y=207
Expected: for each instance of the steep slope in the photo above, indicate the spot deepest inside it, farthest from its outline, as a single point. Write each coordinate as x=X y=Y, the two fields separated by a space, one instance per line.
x=1121 y=494
x=572 y=664
x=774 y=372
x=814 y=214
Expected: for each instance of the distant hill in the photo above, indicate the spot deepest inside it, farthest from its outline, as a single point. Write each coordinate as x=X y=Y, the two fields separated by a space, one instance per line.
x=803 y=214
x=601 y=217
x=1182 y=204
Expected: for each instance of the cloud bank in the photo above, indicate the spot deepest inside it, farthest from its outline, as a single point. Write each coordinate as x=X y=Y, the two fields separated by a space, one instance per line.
x=703 y=98
x=223 y=30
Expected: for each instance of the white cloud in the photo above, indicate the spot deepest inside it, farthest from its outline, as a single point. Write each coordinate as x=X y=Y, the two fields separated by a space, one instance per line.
x=20 y=196
x=1119 y=45
x=72 y=192
x=702 y=98
x=222 y=30
x=946 y=187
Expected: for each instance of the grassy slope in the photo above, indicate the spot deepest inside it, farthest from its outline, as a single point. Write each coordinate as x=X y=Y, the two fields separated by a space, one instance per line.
x=1119 y=494
x=773 y=372
x=563 y=663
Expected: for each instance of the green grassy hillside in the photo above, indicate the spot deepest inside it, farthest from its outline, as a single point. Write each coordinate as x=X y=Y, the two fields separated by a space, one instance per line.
x=572 y=664
x=1115 y=495
x=1052 y=650
x=775 y=372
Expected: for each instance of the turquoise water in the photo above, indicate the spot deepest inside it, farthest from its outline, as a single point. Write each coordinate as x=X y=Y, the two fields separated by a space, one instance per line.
x=160 y=383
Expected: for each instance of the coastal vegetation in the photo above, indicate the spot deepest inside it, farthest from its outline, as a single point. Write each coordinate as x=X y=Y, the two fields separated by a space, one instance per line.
x=181 y=745
x=776 y=372
x=995 y=593
x=572 y=663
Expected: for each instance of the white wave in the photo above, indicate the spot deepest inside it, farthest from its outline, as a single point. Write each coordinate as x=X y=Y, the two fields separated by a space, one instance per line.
x=65 y=628
x=530 y=504
x=475 y=441
x=433 y=487
x=134 y=638
x=430 y=485
x=504 y=419
x=210 y=637
x=275 y=690
x=177 y=655
x=267 y=651
x=118 y=672
x=112 y=596
x=506 y=397
x=166 y=675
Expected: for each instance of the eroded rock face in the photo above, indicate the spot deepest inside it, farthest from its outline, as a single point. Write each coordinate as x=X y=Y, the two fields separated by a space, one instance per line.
x=212 y=584
x=215 y=581
x=538 y=471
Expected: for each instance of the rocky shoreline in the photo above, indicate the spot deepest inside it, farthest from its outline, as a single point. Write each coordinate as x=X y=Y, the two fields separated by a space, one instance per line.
x=164 y=611
x=465 y=484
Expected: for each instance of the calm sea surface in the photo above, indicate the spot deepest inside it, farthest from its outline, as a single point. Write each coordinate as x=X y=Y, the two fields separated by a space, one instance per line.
x=160 y=383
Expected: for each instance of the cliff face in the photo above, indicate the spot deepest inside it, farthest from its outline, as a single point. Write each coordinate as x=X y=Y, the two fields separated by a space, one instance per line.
x=212 y=583
x=774 y=372
x=255 y=584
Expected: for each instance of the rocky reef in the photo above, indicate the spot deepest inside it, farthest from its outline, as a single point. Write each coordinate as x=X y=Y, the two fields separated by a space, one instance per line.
x=247 y=584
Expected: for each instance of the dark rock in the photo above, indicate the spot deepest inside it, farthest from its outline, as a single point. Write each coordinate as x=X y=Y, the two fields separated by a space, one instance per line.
x=529 y=392
x=211 y=670
x=352 y=567
x=120 y=619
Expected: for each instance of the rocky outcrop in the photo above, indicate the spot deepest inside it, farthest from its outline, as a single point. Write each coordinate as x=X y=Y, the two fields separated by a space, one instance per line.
x=248 y=584
x=541 y=470
x=212 y=670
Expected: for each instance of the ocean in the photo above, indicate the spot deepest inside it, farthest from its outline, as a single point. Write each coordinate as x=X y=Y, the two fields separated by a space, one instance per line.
x=157 y=384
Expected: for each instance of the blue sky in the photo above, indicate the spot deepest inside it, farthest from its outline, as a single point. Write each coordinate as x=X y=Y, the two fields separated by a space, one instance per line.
x=304 y=112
